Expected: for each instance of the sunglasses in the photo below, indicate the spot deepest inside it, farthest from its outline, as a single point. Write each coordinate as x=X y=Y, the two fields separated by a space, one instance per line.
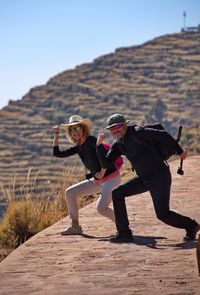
x=76 y=128
x=115 y=127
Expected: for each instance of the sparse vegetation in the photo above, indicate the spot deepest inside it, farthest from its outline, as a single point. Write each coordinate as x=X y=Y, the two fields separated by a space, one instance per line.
x=28 y=213
x=157 y=113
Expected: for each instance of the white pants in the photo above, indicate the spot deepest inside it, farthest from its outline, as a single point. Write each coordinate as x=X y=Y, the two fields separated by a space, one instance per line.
x=89 y=187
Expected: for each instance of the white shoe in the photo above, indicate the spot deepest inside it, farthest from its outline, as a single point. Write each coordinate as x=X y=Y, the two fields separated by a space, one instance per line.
x=72 y=230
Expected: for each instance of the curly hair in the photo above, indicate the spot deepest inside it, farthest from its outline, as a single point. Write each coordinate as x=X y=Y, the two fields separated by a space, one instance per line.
x=85 y=129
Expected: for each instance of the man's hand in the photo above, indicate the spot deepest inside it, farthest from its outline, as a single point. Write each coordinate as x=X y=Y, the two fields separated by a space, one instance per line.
x=100 y=138
x=183 y=156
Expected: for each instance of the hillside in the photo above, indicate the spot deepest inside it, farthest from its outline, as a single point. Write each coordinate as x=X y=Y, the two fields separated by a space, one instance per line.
x=159 y=80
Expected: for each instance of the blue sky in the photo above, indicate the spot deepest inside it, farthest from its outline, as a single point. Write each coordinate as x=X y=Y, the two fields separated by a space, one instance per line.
x=41 y=38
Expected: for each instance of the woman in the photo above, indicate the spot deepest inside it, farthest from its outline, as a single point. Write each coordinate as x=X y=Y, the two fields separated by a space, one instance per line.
x=102 y=181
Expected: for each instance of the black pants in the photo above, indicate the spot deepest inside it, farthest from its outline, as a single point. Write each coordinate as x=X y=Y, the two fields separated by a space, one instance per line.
x=159 y=188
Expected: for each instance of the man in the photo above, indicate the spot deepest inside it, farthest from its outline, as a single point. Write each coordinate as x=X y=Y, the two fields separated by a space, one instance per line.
x=152 y=174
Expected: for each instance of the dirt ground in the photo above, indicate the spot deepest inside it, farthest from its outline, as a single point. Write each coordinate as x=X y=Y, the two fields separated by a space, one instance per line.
x=156 y=262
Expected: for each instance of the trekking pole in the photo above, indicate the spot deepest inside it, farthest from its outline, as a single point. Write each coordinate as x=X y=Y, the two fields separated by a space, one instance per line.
x=180 y=168
x=179 y=133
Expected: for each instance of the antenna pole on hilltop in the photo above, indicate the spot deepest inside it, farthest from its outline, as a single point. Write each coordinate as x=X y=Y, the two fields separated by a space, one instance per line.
x=184 y=19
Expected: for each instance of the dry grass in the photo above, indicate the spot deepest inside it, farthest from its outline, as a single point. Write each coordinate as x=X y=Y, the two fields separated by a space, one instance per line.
x=28 y=213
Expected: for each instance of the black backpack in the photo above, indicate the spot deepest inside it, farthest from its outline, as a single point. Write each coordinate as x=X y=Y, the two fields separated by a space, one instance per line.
x=164 y=150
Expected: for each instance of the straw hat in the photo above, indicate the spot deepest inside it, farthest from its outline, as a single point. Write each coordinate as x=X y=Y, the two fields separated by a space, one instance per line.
x=75 y=120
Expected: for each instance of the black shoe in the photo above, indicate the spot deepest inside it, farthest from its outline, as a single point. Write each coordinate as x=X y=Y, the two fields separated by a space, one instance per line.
x=119 y=238
x=191 y=234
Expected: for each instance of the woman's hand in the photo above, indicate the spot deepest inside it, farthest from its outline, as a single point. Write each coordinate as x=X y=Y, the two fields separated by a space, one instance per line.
x=100 y=174
x=56 y=133
x=56 y=129
x=100 y=138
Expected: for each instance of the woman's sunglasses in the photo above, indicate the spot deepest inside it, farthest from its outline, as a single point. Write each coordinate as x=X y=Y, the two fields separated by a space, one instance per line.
x=115 y=127
x=76 y=128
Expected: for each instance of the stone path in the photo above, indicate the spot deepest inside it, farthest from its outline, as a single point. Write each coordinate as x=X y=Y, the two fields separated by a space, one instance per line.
x=157 y=262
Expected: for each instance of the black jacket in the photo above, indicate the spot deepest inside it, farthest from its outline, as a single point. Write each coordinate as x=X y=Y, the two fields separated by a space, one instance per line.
x=88 y=154
x=143 y=158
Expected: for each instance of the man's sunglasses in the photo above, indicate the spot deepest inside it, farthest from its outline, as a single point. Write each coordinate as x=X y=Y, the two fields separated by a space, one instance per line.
x=115 y=127
x=76 y=128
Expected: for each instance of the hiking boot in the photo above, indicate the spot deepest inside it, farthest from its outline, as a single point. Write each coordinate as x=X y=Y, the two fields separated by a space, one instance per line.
x=122 y=238
x=191 y=234
x=72 y=230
